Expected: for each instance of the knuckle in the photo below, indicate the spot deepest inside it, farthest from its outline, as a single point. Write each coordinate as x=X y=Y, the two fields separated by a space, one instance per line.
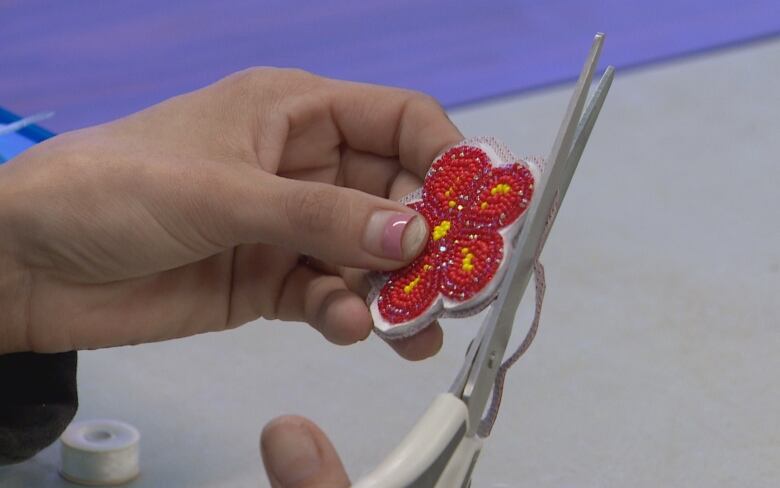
x=266 y=91
x=283 y=76
x=274 y=86
x=250 y=76
x=317 y=210
x=298 y=74
x=423 y=101
x=262 y=75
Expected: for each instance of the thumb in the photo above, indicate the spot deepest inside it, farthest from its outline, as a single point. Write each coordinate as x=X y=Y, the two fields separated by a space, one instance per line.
x=338 y=225
x=297 y=454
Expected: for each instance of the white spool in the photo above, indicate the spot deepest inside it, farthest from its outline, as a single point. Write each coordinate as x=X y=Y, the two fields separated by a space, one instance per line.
x=100 y=452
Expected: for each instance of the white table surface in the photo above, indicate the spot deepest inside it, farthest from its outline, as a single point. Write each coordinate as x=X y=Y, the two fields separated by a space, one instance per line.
x=658 y=358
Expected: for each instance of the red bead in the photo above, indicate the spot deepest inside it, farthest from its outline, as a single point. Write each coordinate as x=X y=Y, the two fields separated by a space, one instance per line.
x=477 y=199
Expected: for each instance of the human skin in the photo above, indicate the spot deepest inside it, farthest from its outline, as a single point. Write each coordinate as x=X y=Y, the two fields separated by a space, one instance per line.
x=252 y=197
x=267 y=194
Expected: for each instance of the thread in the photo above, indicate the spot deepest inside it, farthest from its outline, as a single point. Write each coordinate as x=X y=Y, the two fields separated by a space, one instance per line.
x=486 y=425
x=100 y=452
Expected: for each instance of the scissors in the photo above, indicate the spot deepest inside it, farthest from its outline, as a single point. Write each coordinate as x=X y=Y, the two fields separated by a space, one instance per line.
x=442 y=448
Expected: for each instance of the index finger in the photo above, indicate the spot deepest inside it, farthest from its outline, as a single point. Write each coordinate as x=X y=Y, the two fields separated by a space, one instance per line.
x=392 y=122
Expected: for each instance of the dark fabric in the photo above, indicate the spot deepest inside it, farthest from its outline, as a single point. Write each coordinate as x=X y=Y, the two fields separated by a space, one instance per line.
x=38 y=400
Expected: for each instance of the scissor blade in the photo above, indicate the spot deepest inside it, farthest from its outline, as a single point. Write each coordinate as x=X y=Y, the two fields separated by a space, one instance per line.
x=562 y=145
x=494 y=334
x=549 y=192
x=584 y=128
x=586 y=124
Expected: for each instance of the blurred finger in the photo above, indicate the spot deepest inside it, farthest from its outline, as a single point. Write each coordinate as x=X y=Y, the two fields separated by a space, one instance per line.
x=337 y=225
x=325 y=302
x=377 y=175
x=297 y=454
x=321 y=266
x=405 y=183
x=356 y=280
x=421 y=346
x=368 y=172
x=392 y=122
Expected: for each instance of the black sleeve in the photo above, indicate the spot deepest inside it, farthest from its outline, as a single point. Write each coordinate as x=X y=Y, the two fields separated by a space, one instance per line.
x=38 y=400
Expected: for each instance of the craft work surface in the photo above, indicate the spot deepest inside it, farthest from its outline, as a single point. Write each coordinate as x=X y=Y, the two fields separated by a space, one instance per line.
x=657 y=359
x=96 y=61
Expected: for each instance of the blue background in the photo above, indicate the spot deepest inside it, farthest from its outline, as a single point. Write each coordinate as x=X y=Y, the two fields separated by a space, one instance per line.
x=94 y=61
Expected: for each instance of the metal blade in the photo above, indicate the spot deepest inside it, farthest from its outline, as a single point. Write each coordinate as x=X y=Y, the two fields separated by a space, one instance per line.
x=585 y=126
x=584 y=129
x=495 y=332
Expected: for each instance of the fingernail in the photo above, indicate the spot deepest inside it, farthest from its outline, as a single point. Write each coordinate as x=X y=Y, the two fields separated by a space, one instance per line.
x=291 y=454
x=395 y=235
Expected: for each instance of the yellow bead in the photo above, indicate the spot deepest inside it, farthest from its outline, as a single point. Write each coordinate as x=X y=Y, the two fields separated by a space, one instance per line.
x=451 y=203
x=483 y=206
x=408 y=288
x=466 y=265
x=501 y=188
x=441 y=230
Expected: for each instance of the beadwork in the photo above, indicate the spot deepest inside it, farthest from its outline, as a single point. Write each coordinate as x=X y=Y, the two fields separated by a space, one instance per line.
x=472 y=199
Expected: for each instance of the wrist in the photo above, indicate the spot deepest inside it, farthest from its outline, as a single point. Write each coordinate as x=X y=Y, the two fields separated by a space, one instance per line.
x=14 y=281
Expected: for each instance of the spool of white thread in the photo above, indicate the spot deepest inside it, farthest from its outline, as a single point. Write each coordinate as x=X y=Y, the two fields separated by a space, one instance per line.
x=100 y=452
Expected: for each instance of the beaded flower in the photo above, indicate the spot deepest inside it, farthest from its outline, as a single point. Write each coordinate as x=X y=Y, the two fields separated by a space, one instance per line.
x=473 y=198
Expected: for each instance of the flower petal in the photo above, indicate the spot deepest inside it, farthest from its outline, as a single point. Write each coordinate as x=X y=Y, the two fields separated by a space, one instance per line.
x=452 y=182
x=441 y=231
x=409 y=291
x=471 y=263
x=503 y=196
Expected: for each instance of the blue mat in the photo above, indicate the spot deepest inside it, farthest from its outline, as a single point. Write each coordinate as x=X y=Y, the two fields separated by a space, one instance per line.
x=16 y=142
x=13 y=144
x=94 y=61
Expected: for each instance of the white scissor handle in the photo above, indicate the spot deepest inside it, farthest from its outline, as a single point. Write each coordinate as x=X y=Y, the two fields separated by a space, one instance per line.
x=435 y=454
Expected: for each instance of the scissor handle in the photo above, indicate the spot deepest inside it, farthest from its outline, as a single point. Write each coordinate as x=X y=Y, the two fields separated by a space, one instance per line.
x=435 y=454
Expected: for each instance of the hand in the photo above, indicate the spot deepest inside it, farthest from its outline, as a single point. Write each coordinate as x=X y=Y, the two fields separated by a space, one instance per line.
x=259 y=196
x=297 y=454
